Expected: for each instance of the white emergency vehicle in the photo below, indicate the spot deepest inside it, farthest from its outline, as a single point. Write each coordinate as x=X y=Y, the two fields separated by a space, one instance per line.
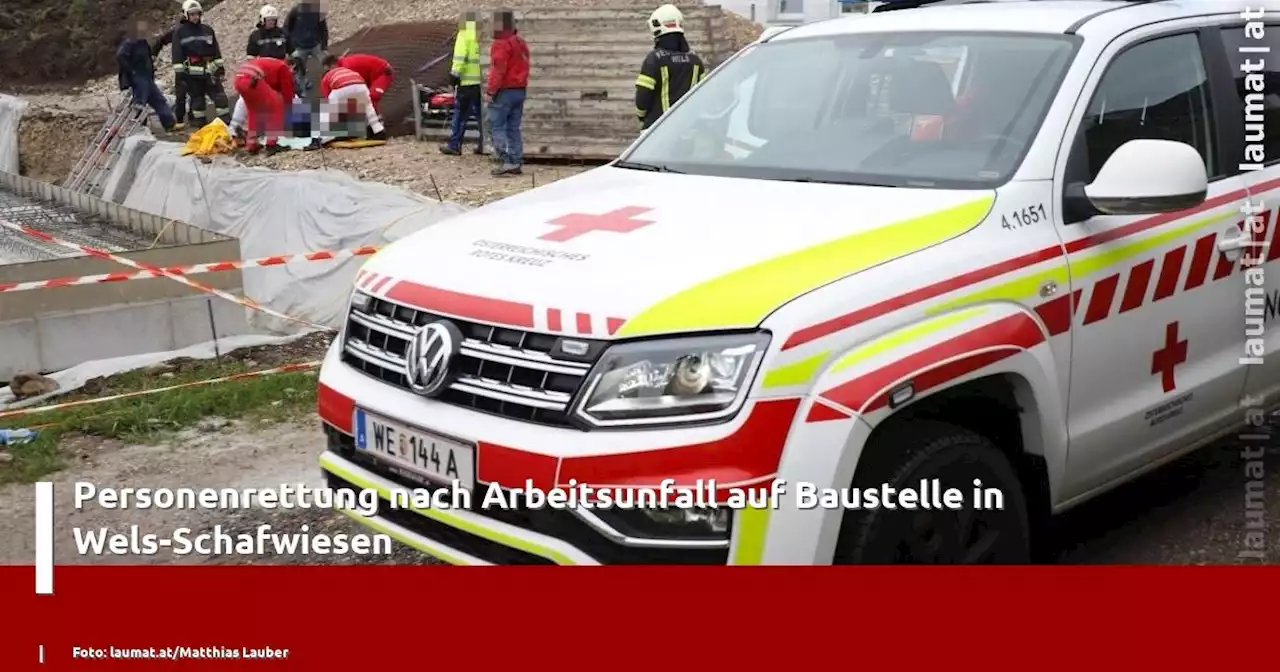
x=1021 y=243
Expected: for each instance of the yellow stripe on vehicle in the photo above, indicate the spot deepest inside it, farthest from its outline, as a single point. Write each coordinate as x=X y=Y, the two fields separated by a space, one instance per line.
x=753 y=527
x=745 y=297
x=1028 y=287
x=797 y=373
x=454 y=521
x=898 y=339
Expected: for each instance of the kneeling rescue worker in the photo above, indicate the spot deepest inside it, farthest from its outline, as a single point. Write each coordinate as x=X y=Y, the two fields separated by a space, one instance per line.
x=376 y=72
x=344 y=90
x=197 y=60
x=266 y=87
x=670 y=70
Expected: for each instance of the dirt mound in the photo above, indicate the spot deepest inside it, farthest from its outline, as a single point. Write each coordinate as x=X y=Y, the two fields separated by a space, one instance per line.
x=46 y=42
x=51 y=140
x=408 y=47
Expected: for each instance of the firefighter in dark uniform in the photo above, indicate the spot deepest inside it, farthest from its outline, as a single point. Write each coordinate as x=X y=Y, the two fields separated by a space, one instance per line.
x=197 y=59
x=670 y=70
x=269 y=40
x=180 y=111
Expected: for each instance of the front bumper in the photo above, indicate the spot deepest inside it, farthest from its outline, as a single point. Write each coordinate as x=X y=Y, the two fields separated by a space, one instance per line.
x=741 y=452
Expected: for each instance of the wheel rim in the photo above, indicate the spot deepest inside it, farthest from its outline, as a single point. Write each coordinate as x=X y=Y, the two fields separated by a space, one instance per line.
x=962 y=536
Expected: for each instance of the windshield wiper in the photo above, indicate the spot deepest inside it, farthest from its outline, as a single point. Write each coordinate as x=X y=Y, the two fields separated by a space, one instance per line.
x=631 y=165
x=855 y=183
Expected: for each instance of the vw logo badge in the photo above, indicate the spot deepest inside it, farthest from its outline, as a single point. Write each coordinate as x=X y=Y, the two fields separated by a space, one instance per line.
x=429 y=356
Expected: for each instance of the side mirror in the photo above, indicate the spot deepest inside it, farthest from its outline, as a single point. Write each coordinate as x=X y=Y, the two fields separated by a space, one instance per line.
x=1147 y=177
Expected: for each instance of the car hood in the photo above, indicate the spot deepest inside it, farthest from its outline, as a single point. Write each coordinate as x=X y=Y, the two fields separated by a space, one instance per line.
x=621 y=253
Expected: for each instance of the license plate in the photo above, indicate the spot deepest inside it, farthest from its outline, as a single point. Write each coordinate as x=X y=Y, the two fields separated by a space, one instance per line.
x=420 y=452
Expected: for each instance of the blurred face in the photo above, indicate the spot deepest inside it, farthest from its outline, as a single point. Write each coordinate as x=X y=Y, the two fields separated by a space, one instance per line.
x=141 y=28
x=194 y=17
x=269 y=23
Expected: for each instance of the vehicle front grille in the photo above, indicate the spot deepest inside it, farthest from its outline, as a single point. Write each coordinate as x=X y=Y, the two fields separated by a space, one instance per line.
x=507 y=372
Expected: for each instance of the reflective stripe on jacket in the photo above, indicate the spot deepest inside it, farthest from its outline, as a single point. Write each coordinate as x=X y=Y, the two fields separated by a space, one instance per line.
x=338 y=78
x=466 y=56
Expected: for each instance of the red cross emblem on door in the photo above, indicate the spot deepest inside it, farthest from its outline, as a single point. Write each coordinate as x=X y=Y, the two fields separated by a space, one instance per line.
x=622 y=220
x=1165 y=360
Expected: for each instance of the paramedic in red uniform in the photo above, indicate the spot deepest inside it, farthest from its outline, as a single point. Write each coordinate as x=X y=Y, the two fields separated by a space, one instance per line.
x=266 y=86
x=345 y=93
x=376 y=73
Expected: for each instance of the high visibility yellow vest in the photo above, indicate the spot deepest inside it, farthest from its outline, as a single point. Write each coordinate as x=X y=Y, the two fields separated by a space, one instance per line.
x=466 y=56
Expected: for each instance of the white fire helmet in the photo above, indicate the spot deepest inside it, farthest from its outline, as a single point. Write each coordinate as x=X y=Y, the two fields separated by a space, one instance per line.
x=192 y=7
x=665 y=20
x=269 y=12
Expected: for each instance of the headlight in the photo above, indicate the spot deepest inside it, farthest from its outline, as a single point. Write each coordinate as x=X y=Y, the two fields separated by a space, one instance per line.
x=671 y=380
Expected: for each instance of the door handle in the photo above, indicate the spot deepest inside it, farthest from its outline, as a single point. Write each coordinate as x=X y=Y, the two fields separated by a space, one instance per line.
x=1233 y=244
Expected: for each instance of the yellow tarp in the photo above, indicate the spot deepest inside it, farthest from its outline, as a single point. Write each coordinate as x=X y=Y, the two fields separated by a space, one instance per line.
x=356 y=144
x=214 y=138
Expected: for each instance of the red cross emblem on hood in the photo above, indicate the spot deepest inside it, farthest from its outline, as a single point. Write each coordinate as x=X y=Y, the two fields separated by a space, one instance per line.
x=622 y=220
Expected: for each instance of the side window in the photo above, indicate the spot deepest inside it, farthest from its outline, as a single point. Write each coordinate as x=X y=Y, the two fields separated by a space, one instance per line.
x=1155 y=90
x=1258 y=84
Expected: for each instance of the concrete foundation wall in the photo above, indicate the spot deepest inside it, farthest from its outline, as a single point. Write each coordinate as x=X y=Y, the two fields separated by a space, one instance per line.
x=53 y=341
x=50 y=329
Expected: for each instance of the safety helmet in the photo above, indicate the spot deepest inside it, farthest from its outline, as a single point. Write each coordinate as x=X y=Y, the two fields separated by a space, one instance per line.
x=192 y=7
x=665 y=20
x=268 y=12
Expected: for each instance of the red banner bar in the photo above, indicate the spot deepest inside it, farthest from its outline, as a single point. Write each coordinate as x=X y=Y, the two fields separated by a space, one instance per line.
x=424 y=618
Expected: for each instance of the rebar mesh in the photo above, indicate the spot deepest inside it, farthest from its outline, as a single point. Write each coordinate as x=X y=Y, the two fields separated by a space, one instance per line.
x=60 y=221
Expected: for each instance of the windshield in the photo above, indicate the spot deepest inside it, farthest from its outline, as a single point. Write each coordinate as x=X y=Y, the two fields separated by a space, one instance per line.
x=943 y=110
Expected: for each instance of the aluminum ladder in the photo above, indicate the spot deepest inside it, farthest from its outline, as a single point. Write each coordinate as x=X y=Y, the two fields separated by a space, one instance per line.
x=90 y=171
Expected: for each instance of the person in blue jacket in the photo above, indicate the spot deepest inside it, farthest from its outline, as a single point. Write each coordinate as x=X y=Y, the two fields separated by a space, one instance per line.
x=137 y=73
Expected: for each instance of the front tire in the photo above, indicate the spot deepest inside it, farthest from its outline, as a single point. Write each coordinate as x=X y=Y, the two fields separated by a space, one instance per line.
x=926 y=449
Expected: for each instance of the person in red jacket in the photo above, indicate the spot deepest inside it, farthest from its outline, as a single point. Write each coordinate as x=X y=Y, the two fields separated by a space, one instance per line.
x=377 y=74
x=508 y=78
x=266 y=87
x=346 y=93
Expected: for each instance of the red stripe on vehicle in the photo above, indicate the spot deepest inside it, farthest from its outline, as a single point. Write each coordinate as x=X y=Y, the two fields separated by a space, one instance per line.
x=615 y=323
x=511 y=467
x=365 y=283
x=465 y=306
x=335 y=408
x=584 y=324
x=1100 y=300
x=1170 y=271
x=1057 y=314
x=1200 y=262
x=380 y=283
x=1016 y=331
x=752 y=452
x=941 y=375
x=834 y=325
x=823 y=329
x=553 y=319
x=1274 y=251
x=820 y=412
x=1135 y=291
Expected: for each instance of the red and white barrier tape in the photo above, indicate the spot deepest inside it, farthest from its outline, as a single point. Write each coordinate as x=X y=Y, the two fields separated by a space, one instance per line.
x=288 y=368
x=264 y=262
x=160 y=272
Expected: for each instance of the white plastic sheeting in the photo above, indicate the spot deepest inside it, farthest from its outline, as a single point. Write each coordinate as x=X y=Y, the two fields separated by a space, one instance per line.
x=11 y=111
x=75 y=377
x=274 y=213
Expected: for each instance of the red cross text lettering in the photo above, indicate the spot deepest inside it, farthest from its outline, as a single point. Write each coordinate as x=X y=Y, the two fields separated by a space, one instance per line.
x=1165 y=360
x=621 y=220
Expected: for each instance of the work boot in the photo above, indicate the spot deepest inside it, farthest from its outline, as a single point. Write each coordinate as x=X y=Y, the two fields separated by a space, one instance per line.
x=506 y=169
x=380 y=135
x=479 y=151
x=273 y=149
x=446 y=149
x=253 y=148
x=180 y=126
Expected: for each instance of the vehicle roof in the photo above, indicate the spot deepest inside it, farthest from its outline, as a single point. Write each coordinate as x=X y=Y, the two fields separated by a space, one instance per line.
x=1038 y=16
